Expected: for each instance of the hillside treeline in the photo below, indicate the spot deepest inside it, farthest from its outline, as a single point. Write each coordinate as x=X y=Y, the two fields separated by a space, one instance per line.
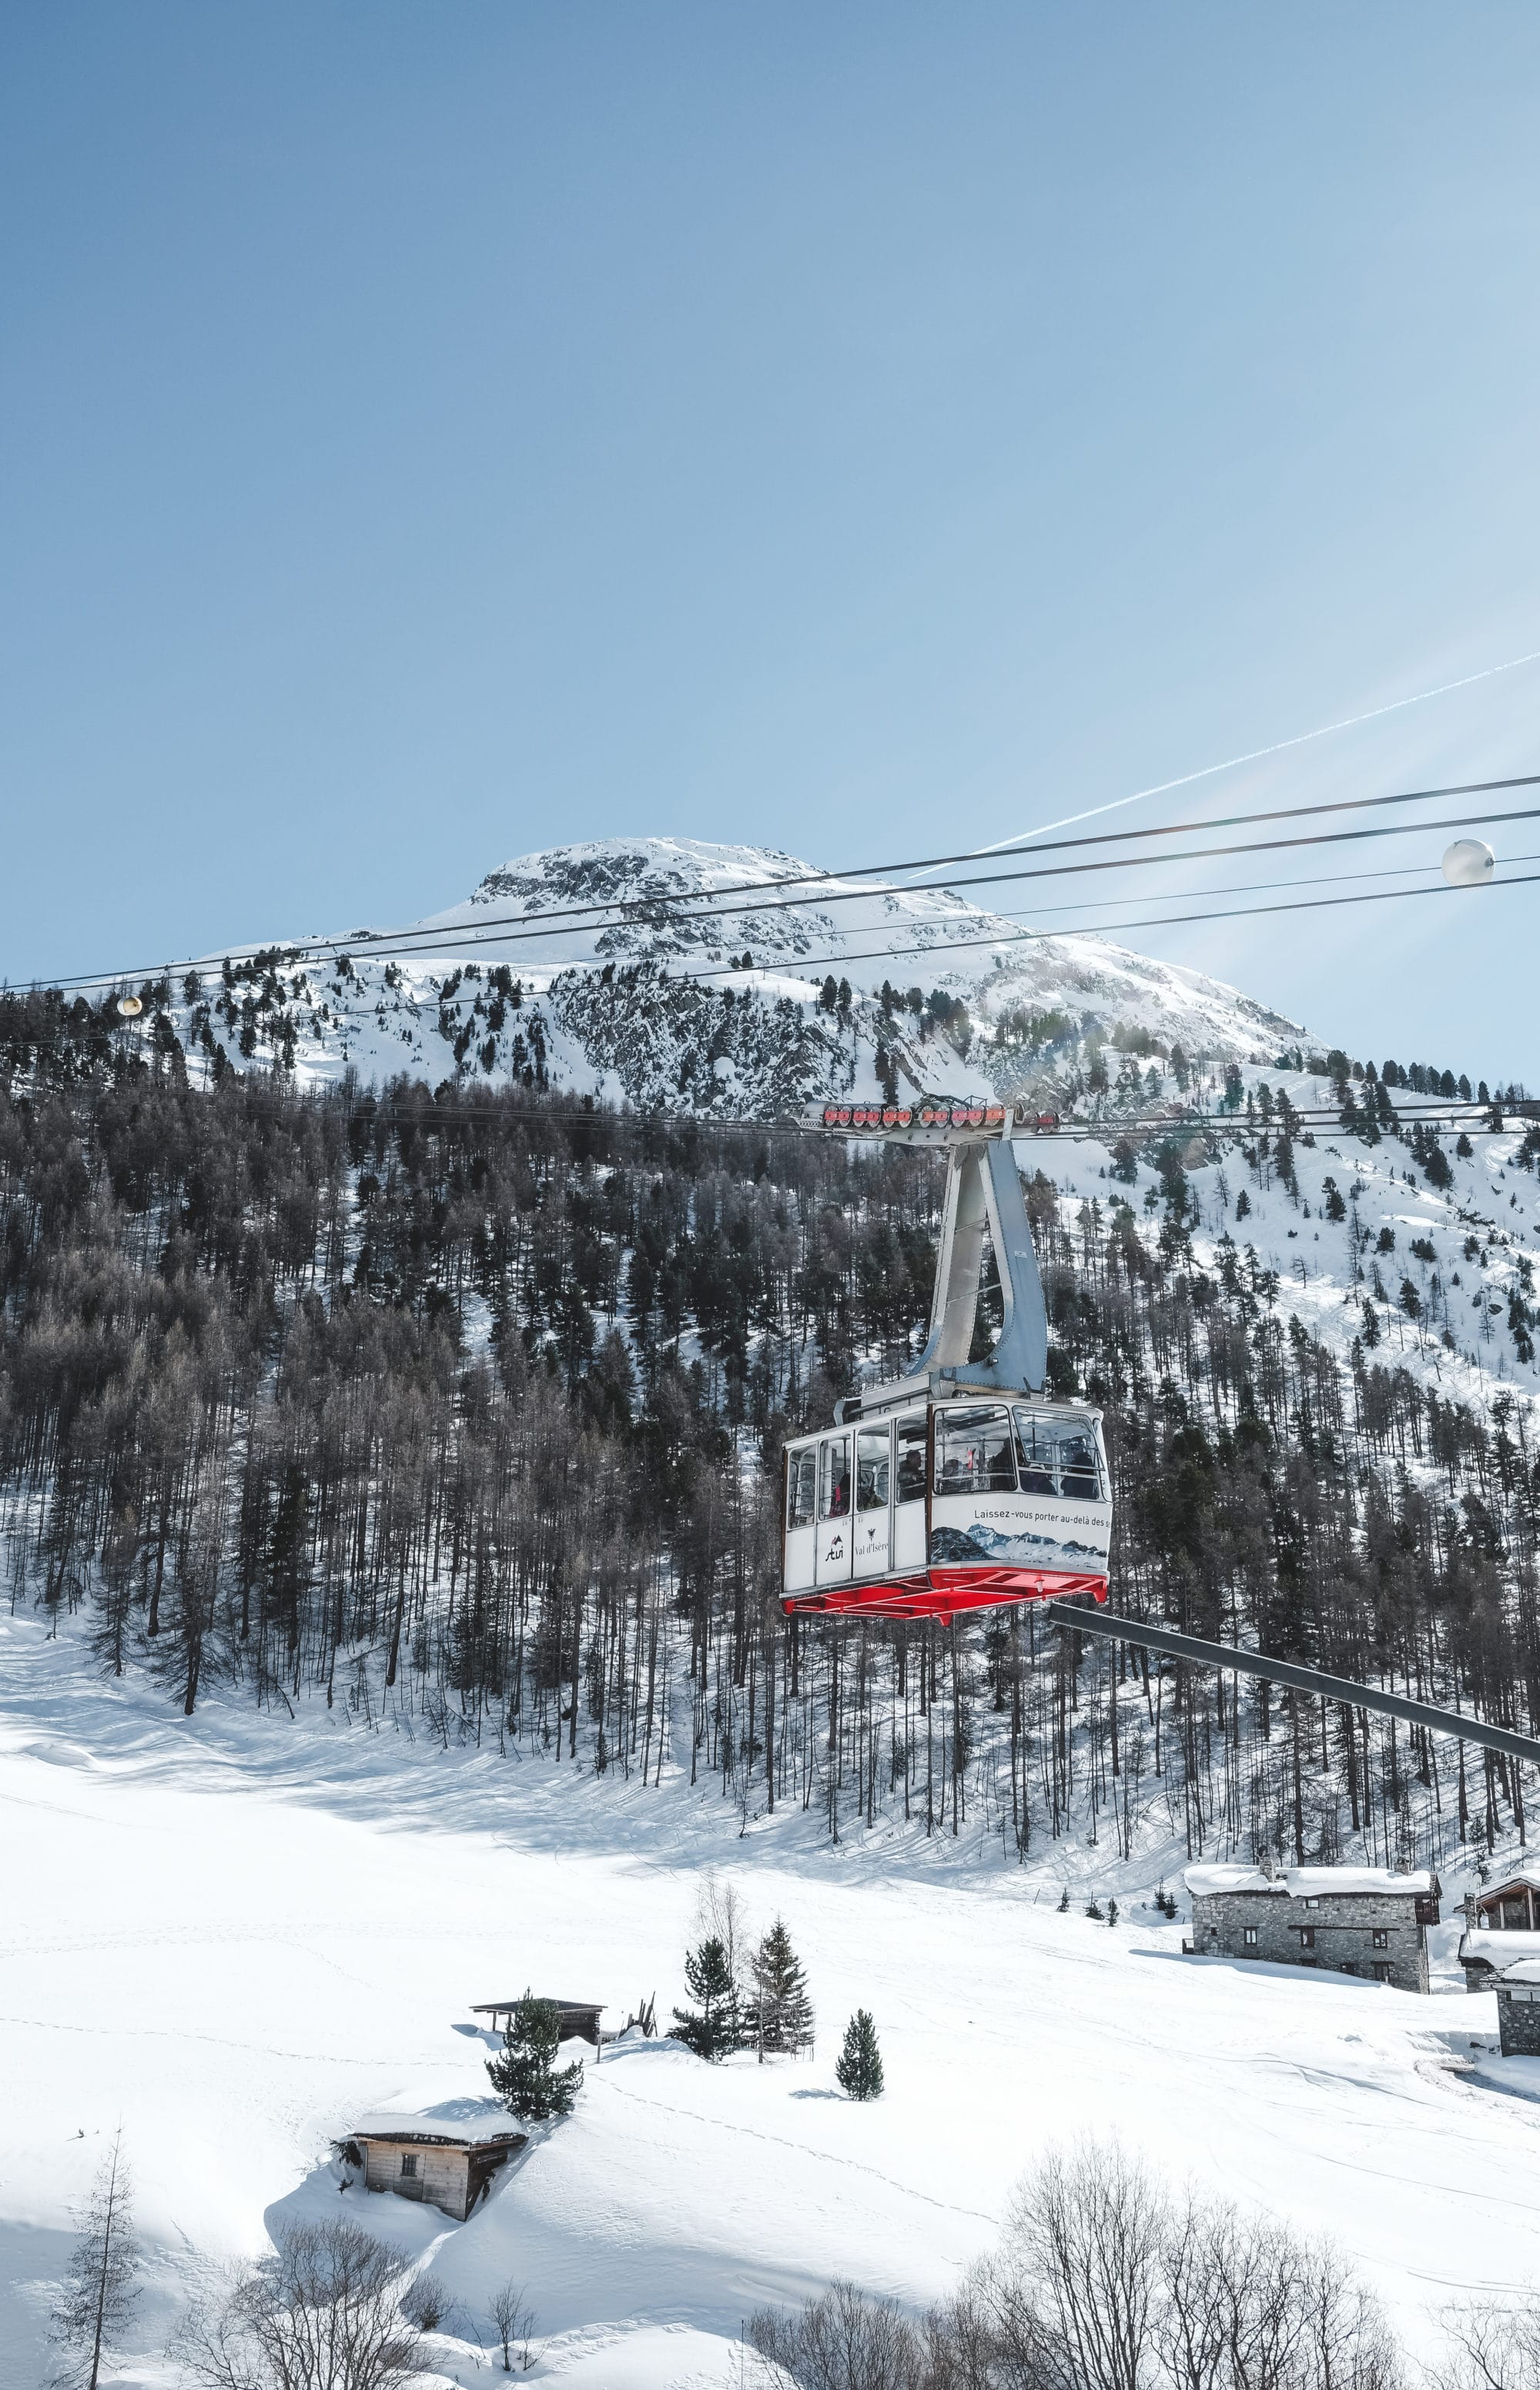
x=464 y=1410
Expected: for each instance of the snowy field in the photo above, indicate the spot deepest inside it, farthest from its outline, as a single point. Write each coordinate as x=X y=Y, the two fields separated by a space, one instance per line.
x=236 y=1936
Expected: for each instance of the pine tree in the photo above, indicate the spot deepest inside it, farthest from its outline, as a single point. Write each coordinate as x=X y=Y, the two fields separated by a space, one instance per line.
x=783 y=2013
x=525 y=2075
x=859 y=2071
x=100 y=2291
x=713 y=2028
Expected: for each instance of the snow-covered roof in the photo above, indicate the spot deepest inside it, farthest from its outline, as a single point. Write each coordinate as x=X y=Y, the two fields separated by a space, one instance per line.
x=1307 y=1882
x=1521 y=1876
x=1526 y=1971
x=405 y=2125
x=1499 y=1950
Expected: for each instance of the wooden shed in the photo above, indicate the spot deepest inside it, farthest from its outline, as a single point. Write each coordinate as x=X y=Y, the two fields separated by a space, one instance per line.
x=447 y=2164
x=580 y=2018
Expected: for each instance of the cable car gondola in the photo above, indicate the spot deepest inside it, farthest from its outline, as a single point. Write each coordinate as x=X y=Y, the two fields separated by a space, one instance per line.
x=960 y=1485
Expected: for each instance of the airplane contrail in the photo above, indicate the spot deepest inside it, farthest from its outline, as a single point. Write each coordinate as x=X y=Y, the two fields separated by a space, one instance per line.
x=1302 y=738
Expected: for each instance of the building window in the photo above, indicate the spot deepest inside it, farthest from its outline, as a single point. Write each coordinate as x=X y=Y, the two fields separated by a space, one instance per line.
x=1347 y=1968
x=1381 y=1971
x=1307 y=1937
x=1249 y=1937
x=1312 y=1904
x=409 y=2163
x=1382 y=1937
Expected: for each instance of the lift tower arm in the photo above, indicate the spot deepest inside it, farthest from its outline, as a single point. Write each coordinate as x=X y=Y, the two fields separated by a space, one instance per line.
x=983 y=1189
x=1103 y=1624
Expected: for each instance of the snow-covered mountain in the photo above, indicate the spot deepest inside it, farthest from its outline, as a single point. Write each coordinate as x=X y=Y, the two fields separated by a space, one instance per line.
x=568 y=969
x=576 y=981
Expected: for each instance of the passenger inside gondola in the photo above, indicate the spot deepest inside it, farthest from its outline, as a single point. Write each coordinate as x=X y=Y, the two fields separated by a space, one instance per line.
x=834 y=1476
x=1034 y=1455
x=1077 y=1465
x=911 y=1459
x=871 y=1482
x=973 y=1454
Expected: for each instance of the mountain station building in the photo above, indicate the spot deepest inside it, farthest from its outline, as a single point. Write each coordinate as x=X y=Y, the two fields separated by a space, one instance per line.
x=1350 y=1920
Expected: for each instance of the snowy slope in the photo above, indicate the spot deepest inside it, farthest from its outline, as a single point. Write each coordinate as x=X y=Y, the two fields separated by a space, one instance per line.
x=1341 y=1277
x=594 y=1004
x=235 y=1936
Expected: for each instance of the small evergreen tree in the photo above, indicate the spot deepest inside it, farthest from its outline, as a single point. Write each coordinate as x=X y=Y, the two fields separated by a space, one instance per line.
x=101 y=2289
x=712 y=2028
x=525 y=2074
x=859 y=2071
x=783 y=2013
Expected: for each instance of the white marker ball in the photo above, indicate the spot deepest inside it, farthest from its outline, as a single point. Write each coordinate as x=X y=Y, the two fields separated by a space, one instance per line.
x=130 y=1007
x=1468 y=863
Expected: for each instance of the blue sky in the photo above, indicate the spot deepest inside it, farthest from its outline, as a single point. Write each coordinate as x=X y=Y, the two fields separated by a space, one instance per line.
x=432 y=433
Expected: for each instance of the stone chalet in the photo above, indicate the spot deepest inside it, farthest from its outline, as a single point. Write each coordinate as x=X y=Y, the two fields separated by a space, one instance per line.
x=1351 y=1921
x=1519 y=2010
x=1502 y=1926
x=449 y=2164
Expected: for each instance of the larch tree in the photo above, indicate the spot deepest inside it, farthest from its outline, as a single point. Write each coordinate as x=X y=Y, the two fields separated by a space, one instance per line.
x=101 y=2288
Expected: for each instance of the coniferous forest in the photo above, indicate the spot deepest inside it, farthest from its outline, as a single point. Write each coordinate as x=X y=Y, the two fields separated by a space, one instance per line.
x=463 y=1410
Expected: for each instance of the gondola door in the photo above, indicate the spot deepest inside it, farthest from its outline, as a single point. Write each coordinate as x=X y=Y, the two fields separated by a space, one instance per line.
x=834 y=1510
x=874 y=1501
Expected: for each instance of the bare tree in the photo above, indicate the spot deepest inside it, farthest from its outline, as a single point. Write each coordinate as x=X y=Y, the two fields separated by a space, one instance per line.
x=842 y=2341
x=1078 y=2272
x=322 y=2313
x=1102 y=2281
x=101 y=2289
x=1497 y=2345
x=720 y=1912
x=513 y=2318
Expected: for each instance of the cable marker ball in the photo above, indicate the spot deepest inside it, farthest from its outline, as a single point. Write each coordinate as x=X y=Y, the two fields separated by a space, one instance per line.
x=130 y=1007
x=1469 y=863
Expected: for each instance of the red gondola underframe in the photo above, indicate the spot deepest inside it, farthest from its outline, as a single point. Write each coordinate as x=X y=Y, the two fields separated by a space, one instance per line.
x=942 y=1592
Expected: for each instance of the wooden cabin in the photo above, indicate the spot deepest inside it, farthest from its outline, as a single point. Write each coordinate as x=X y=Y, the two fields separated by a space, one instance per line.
x=442 y=2162
x=580 y=2018
x=1510 y=1907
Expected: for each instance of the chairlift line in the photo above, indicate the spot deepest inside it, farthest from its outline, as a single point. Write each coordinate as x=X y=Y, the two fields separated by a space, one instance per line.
x=470 y=937
x=798 y=966
x=1109 y=1627
x=412 y=938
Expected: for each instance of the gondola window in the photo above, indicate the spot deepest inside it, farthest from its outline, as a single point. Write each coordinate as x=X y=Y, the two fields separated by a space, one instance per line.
x=973 y=1453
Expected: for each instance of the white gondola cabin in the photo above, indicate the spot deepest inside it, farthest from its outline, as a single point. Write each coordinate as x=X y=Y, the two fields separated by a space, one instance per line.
x=943 y=1506
x=962 y=1485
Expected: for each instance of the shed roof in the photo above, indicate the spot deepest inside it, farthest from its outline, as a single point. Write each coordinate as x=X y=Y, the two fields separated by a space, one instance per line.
x=583 y=2008
x=458 y=2133
x=1311 y=1883
x=1526 y=1971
